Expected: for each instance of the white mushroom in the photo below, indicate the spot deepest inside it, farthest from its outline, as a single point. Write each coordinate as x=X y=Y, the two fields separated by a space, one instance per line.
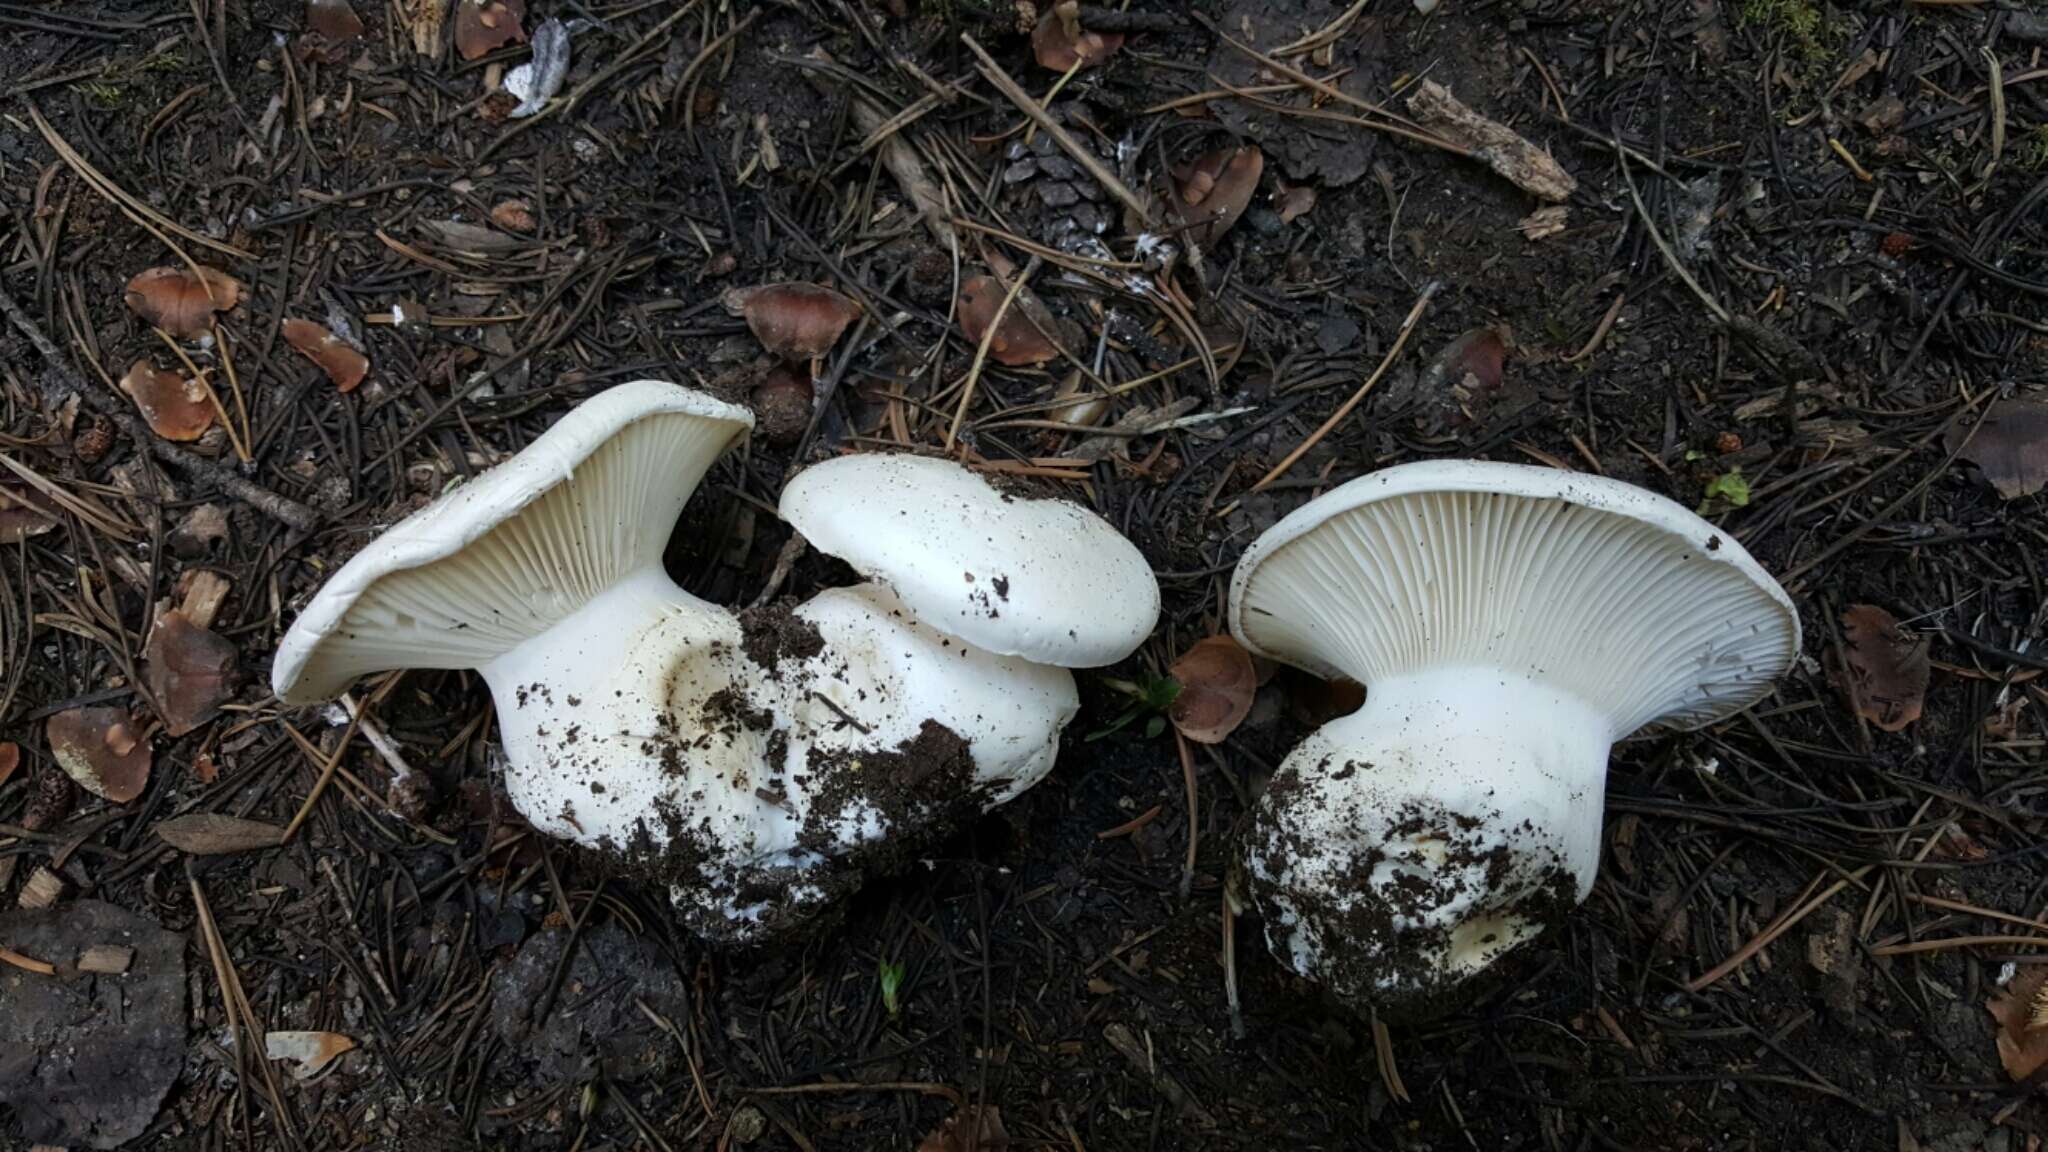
x=1510 y=624
x=981 y=599
x=753 y=763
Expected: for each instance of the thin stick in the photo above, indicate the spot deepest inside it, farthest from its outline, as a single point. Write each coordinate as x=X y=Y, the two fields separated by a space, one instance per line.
x=1344 y=410
x=1783 y=925
x=326 y=771
x=145 y=217
x=1082 y=156
x=10 y=956
x=1958 y=942
x=1670 y=257
x=1230 y=966
x=219 y=409
x=988 y=336
x=1187 y=776
x=240 y=1014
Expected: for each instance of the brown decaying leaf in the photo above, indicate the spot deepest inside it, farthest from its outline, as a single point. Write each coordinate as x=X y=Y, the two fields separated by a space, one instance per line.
x=1473 y=363
x=101 y=749
x=1017 y=341
x=342 y=363
x=1883 y=667
x=1293 y=201
x=794 y=321
x=484 y=26
x=513 y=216
x=1212 y=190
x=2010 y=447
x=175 y=408
x=1217 y=683
x=333 y=19
x=212 y=834
x=968 y=1130
x=190 y=671
x=2022 y=1040
x=22 y=516
x=310 y=1052
x=180 y=303
x=10 y=759
x=1059 y=42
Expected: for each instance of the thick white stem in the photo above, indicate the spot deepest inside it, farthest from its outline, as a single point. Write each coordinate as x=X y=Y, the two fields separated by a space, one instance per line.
x=1403 y=847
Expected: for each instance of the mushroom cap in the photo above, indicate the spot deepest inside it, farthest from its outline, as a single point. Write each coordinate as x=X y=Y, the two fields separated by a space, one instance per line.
x=1646 y=611
x=1014 y=575
x=507 y=554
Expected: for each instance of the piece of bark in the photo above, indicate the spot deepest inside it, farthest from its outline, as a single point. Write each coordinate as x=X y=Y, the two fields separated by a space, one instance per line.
x=106 y=959
x=1495 y=144
x=41 y=890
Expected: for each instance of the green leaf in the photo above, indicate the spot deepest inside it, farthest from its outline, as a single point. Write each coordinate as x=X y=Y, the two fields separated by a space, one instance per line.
x=1155 y=726
x=1730 y=488
x=891 y=976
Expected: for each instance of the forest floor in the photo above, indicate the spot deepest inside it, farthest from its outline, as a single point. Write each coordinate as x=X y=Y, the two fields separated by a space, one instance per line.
x=1799 y=284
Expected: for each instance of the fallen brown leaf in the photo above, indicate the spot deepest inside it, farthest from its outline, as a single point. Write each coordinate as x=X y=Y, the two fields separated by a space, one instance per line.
x=484 y=26
x=10 y=759
x=22 y=516
x=794 y=321
x=1213 y=190
x=212 y=834
x=101 y=750
x=2022 y=1022
x=342 y=363
x=1059 y=42
x=190 y=671
x=513 y=216
x=174 y=407
x=333 y=19
x=311 y=1052
x=1883 y=667
x=181 y=303
x=1470 y=365
x=1217 y=683
x=1017 y=341
x=968 y=1130
x=1293 y=201
x=2010 y=447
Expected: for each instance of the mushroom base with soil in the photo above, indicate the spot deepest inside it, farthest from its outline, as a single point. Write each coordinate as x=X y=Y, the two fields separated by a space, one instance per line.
x=1403 y=848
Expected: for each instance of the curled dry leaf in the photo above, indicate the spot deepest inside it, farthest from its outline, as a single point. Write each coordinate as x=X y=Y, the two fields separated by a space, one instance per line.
x=1017 y=341
x=1293 y=201
x=181 y=303
x=333 y=19
x=1217 y=683
x=101 y=749
x=1883 y=667
x=1470 y=365
x=2010 y=447
x=484 y=26
x=312 y=1052
x=513 y=216
x=794 y=321
x=342 y=363
x=212 y=834
x=176 y=408
x=190 y=671
x=22 y=516
x=782 y=404
x=1212 y=190
x=969 y=1130
x=1059 y=42
x=2021 y=1010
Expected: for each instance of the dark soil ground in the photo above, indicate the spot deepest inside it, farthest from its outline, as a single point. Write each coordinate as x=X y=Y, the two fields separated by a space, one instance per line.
x=1821 y=264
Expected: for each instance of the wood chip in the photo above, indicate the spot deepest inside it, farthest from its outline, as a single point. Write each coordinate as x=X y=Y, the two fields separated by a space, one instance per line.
x=106 y=959
x=42 y=889
x=1492 y=143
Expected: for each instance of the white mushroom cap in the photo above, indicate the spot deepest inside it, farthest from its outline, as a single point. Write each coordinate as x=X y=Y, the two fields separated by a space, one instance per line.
x=1509 y=624
x=506 y=555
x=1046 y=580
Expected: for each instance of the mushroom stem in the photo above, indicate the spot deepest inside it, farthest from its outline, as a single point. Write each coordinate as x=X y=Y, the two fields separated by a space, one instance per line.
x=1404 y=847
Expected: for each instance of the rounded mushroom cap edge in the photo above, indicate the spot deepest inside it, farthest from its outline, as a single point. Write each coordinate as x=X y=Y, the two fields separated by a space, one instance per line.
x=461 y=516
x=1685 y=538
x=1044 y=579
